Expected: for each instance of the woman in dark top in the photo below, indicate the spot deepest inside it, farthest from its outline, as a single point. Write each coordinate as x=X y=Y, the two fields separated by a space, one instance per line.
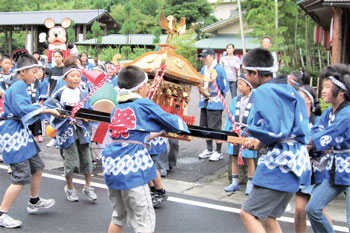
x=55 y=72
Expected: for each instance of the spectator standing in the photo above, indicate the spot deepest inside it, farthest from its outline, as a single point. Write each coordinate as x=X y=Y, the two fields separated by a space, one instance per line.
x=231 y=65
x=210 y=103
x=266 y=44
x=84 y=59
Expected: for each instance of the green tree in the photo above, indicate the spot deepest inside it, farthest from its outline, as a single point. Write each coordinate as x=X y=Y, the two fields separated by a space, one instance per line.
x=294 y=32
x=186 y=47
x=107 y=53
x=194 y=10
x=97 y=33
x=71 y=33
x=128 y=27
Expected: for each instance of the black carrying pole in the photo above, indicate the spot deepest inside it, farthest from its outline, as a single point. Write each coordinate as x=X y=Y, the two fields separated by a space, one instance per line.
x=196 y=131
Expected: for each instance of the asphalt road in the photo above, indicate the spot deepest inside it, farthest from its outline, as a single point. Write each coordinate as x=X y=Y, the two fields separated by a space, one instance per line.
x=180 y=214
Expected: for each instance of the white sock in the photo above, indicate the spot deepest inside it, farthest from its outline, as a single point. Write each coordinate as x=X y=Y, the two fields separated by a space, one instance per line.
x=235 y=179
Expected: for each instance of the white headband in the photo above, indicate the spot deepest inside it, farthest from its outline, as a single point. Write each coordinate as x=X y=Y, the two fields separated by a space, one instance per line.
x=127 y=91
x=338 y=83
x=246 y=81
x=27 y=67
x=98 y=69
x=70 y=70
x=268 y=69
x=310 y=96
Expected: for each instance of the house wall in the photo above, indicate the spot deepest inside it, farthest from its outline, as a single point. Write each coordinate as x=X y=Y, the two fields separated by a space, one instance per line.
x=224 y=10
x=233 y=28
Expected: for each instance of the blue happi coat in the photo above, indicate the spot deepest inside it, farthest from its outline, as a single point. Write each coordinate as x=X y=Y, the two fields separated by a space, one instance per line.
x=16 y=141
x=222 y=83
x=68 y=129
x=280 y=121
x=332 y=131
x=158 y=145
x=127 y=163
x=234 y=109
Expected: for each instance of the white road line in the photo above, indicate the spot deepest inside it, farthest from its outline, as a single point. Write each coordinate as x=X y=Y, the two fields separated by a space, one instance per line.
x=184 y=201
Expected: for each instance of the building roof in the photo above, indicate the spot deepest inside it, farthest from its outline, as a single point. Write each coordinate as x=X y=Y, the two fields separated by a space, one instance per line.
x=212 y=28
x=220 y=42
x=217 y=42
x=321 y=10
x=38 y=17
x=121 y=39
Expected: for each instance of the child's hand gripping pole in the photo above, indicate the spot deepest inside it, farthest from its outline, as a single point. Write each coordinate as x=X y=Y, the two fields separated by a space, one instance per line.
x=236 y=129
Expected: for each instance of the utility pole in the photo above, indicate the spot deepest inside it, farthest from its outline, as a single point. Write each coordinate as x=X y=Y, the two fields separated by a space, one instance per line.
x=276 y=15
x=241 y=25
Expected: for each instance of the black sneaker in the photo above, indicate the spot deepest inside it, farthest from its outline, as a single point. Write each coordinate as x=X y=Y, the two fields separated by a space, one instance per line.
x=156 y=199
x=162 y=194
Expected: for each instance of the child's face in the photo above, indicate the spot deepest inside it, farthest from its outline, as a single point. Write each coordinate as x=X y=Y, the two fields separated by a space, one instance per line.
x=84 y=57
x=58 y=58
x=73 y=79
x=243 y=87
x=29 y=75
x=6 y=66
x=109 y=68
x=252 y=77
x=36 y=55
x=305 y=97
x=327 y=91
x=143 y=90
x=40 y=74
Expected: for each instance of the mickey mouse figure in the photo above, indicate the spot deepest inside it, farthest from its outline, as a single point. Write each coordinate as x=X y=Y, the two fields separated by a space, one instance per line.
x=57 y=39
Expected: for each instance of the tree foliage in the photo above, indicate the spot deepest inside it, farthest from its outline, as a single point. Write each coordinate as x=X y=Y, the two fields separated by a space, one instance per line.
x=294 y=34
x=134 y=16
x=186 y=47
x=194 y=10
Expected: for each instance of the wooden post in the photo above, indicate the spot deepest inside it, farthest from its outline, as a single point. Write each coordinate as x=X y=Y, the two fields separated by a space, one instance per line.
x=319 y=59
x=241 y=26
x=31 y=38
x=35 y=38
x=10 y=42
x=105 y=30
x=84 y=32
x=77 y=32
x=5 y=42
x=336 y=42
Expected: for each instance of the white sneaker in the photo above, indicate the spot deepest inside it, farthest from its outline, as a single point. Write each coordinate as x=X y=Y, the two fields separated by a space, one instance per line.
x=90 y=193
x=216 y=156
x=52 y=143
x=205 y=154
x=9 y=170
x=8 y=222
x=71 y=194
x=41 y=204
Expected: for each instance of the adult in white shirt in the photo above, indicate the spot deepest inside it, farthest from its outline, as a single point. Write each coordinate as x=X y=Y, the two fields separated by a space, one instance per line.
x=266 y=44
x=232 y=65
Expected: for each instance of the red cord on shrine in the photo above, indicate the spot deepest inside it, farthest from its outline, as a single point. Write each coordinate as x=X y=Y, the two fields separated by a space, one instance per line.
x=236 y=129
x=81 y=104
x=156 y=81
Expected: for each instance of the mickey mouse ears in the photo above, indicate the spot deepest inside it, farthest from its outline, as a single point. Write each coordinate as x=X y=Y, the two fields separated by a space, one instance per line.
x=50 y=23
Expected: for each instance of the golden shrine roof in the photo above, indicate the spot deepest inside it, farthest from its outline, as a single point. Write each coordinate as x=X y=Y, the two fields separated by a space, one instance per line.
x=178 y=68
